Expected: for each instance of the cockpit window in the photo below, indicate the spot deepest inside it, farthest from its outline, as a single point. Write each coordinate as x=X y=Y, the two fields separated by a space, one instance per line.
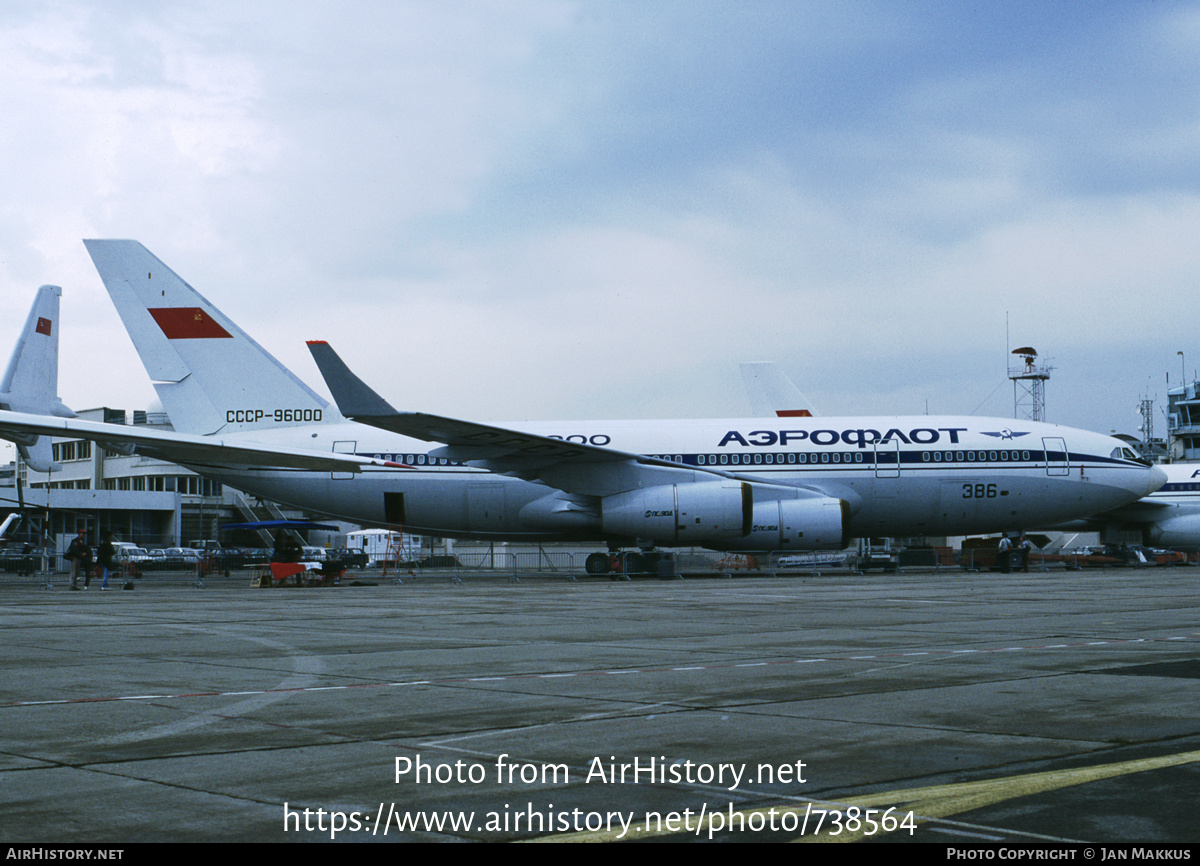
x=1121 y=453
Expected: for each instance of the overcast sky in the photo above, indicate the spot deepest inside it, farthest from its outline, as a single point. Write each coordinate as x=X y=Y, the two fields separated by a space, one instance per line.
x=542 y=209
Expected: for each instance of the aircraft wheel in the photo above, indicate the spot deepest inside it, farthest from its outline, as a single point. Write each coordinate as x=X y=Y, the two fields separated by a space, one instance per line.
x=596 y=563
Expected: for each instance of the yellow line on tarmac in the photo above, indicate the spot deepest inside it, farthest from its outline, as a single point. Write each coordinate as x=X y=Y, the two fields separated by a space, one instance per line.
x=942 y=801
x=938 y=801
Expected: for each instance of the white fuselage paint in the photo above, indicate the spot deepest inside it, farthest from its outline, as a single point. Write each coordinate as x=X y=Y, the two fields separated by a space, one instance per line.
x=951 y=477
x=1170 y=516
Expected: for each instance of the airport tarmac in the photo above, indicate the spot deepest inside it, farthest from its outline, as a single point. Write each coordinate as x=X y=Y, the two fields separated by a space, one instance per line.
x=1036 y=707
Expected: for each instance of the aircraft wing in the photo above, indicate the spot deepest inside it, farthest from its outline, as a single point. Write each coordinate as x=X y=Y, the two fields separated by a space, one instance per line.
x=180 y=447
x=587 y=470
x=567 y=465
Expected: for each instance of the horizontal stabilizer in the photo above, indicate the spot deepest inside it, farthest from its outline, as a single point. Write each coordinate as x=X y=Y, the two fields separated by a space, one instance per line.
x=183 y=448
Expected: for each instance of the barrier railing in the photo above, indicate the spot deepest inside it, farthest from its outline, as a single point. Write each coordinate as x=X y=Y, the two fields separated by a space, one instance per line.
x=50 y=568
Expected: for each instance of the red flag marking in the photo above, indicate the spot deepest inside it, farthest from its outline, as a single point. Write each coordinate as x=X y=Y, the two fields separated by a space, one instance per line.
x=187 y=323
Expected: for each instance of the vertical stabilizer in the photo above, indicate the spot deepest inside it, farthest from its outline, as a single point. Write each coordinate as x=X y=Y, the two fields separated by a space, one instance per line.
x=30 y=382
x=772 y=393
x=209 y=374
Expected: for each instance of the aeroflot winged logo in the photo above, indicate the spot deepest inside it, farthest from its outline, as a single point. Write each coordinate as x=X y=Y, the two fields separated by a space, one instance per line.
x=187 y=323
x=1005 y=434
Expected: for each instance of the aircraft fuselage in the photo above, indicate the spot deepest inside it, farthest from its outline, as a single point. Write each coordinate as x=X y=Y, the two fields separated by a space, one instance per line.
x=898 y=476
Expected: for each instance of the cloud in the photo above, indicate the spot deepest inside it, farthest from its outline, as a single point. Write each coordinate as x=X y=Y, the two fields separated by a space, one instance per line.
x=594 y=209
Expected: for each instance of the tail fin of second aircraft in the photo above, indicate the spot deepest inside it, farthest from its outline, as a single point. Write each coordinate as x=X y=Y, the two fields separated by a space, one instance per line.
x=30 y=381
x=773 y=393
x=209 y=373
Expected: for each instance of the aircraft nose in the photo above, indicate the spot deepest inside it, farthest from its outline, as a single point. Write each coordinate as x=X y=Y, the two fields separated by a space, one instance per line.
x=1155 y=479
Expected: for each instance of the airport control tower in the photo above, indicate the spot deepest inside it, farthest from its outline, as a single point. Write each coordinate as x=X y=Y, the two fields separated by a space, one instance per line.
x=1029 y=385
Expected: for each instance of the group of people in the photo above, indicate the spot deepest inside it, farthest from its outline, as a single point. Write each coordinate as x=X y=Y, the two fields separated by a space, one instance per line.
x=1007 y=555
x=79 y=554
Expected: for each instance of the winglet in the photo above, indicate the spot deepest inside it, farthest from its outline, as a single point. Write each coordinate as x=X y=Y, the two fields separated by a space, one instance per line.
x=354 y=399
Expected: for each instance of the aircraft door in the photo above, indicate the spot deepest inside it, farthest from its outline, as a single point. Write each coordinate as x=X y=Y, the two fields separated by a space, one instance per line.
x=887 y=459
x=343 y=447
x=1057 y=460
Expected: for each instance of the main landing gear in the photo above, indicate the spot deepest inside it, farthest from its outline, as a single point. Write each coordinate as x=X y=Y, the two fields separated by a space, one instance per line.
x=619 y=565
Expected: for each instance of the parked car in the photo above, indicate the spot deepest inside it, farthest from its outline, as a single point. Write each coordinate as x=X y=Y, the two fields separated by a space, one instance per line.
x=126 y=552
x=256 y=555
x=19 y=559
x=347 y=557
x=156 y=559
x=180 y=559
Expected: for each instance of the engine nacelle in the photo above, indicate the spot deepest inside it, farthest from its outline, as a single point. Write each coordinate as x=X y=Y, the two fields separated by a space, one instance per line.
x=707 y=514
x=724 y=515
x=1182 y=531
x=813 y=523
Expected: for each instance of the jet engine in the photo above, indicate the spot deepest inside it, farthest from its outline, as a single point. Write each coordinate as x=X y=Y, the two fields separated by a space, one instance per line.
x=728 y=515
x=706 y=513
x=1181 y=531
x=812 y=523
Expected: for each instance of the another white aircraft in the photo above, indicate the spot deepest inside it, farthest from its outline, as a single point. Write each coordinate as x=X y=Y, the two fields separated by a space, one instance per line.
x=31 y=379
x=794 y=484
x=31 y=412
x=772 y=394
x=1171 y=514
x=1168 y=517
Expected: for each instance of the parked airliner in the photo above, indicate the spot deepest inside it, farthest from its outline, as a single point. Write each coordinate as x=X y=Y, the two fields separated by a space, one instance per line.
x=30 y=381
x=1168 y=517
x=1172 y=513
x=788 y=484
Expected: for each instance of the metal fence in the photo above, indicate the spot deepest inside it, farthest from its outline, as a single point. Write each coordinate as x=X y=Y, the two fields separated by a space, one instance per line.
x=36 y=567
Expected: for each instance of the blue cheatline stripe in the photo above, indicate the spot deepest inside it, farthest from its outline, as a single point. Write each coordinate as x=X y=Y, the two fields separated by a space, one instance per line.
x=864 y=459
